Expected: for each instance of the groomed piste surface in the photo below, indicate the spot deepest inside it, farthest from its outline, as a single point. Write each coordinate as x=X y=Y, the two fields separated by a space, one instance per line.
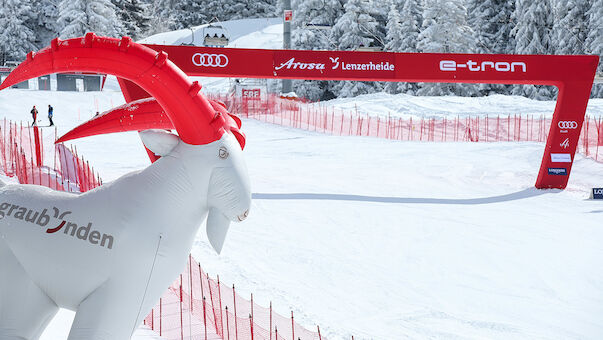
x=391 y=240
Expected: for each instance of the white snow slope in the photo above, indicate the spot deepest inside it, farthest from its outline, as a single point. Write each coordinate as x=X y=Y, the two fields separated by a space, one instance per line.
x=385 y=239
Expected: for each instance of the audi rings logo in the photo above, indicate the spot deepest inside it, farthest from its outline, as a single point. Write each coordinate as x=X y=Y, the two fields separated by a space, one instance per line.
x=210 y=60
x=567 y=124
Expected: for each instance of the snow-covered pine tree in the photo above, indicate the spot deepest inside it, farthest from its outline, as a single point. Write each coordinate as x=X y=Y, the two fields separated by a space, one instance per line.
x=411 y=9
x=134 y=15
x=393 y=41
x=309 y=33
x=16 y=39
x=354 y=29
x=162 y=18
x=43 y=21
x=233 y=9
x=594 y=40
x=76 y=17
x=189 y=13
x=570 y=29
x=445 y=30
x=490 y=22
x=402 y=33
x=532 y=32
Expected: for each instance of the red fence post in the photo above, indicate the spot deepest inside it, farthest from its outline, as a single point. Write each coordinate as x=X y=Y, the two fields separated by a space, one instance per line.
x=181 y=323
x=251 y=325
x=160 y=316
x=211 y=298
x=319 y=336
x=205 y=318
x=227 y=326
x=190 y=279
x=292 y=327
x=234 y=299
x=220 y=299
x=270 y=328
x=251 y=316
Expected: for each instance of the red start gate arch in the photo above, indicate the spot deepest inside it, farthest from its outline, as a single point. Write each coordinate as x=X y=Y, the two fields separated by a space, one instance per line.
x=572 y=75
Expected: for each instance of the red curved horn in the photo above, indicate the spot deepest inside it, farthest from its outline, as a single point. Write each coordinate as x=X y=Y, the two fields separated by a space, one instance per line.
x=190 y=112
x=134 y=116
x=143 y=114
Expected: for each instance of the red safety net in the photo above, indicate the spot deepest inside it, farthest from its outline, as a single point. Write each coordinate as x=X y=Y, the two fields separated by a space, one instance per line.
x=324 y=119
x=22 y=155
x=199 y=307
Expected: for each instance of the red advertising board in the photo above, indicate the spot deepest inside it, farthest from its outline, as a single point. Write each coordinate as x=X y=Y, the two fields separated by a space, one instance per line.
x=573 y=75
x=288 y=15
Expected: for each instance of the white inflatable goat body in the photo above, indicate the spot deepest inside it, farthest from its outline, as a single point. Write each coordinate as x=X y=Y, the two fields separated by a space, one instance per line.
x=110 y=253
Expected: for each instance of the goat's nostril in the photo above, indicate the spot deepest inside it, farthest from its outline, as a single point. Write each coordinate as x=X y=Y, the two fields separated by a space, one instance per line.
x=244 y=215
x=223 y=153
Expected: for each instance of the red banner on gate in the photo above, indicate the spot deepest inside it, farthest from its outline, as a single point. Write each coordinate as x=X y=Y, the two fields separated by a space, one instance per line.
x=334 y=65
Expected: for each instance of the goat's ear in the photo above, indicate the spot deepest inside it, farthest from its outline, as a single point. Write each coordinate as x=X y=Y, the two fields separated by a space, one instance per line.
x=160 y=142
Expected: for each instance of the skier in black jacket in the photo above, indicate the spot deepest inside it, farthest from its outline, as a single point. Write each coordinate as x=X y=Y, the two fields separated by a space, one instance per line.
x=34 y=115
x=50 y=110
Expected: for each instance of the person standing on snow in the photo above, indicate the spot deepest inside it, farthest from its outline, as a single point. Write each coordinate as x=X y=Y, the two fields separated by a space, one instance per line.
x=50 y=110
x=34 y=115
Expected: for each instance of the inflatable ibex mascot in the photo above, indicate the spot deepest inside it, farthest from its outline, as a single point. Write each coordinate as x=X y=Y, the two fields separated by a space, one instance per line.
x=110 y=253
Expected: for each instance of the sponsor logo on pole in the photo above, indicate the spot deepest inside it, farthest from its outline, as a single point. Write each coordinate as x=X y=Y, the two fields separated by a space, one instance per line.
x=565 y=143
x=558 y=171
x=210 y=60
x=473 y=66
x=597 y=193
x=288 y=15
x=561 y=158
x=566 y=125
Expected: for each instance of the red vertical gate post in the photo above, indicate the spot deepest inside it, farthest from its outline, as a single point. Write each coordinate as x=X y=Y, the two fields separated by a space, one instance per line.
x=566 y=124
x=319 y=336
x=270 y=328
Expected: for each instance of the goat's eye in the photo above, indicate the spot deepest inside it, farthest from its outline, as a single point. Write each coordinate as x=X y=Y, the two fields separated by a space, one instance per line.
x=223 y=153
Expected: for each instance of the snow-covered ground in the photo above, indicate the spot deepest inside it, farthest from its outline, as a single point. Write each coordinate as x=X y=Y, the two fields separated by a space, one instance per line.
x=386 y=239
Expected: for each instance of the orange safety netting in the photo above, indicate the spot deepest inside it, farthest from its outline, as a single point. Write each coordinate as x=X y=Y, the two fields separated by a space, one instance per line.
x=22 y=156
x=199 y=307
x=320 y=118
